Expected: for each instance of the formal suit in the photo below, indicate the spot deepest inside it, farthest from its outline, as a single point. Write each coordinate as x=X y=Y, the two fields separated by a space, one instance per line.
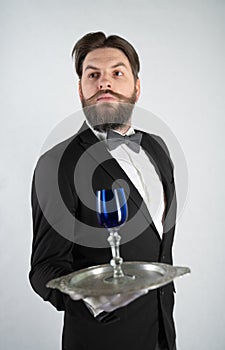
x=149 y=318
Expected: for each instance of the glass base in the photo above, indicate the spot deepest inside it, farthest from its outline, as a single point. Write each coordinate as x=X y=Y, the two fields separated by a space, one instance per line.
x=119 y=280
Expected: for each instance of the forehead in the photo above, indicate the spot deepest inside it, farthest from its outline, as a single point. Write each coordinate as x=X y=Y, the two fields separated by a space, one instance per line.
x=106 y=57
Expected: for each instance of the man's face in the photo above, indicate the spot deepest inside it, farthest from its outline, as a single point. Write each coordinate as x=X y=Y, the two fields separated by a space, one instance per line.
x=107 y=89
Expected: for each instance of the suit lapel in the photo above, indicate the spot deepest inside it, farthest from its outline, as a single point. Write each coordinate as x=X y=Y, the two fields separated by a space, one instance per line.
x=158 y=154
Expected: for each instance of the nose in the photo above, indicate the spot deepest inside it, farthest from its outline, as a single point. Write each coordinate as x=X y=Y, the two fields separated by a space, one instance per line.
x=105 y=82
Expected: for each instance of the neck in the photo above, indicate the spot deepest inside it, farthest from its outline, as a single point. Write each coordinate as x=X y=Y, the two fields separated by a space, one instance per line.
x=123 y=129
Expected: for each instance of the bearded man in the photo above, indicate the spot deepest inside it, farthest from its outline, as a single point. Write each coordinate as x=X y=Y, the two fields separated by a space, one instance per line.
x=109 y=87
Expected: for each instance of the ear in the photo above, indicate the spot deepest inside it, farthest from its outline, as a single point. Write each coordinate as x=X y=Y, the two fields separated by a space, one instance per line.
x=138 y=89
x=80 y=90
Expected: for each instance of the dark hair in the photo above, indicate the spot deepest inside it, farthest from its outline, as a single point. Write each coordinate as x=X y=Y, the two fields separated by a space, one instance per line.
x=97 y=40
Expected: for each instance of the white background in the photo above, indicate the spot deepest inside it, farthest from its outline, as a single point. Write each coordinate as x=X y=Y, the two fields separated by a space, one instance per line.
x=181 y=46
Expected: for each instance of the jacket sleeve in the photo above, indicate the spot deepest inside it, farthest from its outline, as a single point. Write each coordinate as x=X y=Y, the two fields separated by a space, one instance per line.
x=52 y=254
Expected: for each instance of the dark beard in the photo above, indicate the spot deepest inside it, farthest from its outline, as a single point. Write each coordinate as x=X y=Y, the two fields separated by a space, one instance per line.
x=109 y=115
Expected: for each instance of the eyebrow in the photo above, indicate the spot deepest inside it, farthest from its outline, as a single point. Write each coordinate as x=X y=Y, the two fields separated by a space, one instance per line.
x=119 y=64
x=91 y=67
x=114 y=66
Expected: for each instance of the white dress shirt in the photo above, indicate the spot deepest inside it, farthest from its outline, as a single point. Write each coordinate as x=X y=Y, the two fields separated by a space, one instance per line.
x=141 y=172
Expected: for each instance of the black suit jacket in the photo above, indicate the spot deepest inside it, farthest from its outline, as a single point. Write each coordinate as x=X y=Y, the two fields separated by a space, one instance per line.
x=65 y=240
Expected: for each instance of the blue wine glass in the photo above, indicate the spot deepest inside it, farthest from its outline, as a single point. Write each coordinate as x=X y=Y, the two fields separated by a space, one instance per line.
x=111 y=208
x=112 y=214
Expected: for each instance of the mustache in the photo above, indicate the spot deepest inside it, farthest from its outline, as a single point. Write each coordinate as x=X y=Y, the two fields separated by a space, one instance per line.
x=107 y=91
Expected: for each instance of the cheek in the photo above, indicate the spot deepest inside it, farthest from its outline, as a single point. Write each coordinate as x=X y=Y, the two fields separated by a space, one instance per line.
x=87 y=90
x=126 y=89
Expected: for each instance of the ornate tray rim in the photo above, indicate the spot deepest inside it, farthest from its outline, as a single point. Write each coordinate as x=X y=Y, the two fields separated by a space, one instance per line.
x=169 y=273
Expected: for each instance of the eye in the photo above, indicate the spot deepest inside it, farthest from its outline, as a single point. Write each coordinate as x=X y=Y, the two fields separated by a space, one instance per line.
x=93 y=75
x=118 y=73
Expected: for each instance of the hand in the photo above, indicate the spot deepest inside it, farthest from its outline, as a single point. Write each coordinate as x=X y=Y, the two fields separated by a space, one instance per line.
x=108 y=303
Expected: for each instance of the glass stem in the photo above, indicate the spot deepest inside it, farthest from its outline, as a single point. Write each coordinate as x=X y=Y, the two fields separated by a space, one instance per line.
x=116 y=262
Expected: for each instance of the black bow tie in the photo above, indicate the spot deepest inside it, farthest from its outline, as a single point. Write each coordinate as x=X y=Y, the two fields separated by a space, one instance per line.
x=115 y=139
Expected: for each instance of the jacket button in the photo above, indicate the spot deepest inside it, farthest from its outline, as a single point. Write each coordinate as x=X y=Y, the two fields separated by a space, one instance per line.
x=163 y=258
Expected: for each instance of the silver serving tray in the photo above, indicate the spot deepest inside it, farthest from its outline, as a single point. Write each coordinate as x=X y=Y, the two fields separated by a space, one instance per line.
x=94 y=281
